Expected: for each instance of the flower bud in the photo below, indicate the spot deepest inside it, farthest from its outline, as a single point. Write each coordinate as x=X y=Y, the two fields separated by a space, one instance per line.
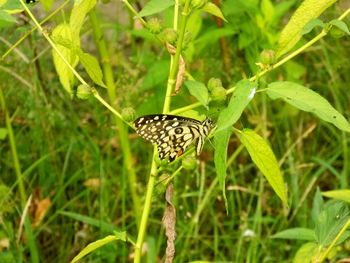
x=198 y=4
x=267 y=57
x=170 y=35
x=155 y=26
x=336 y=32
x=128 y=114
x=189 y=162
x=214 y=82
x=218 y=94
x=83 y=92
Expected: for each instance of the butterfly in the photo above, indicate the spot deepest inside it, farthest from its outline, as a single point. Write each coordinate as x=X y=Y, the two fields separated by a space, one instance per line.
x=173 y=134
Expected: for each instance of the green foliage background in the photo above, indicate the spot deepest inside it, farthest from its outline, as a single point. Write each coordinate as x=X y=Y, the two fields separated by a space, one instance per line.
x=70 y=150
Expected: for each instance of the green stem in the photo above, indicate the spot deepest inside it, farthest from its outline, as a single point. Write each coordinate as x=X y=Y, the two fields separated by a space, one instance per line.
x=33 y=29
x=166 y=108
x=44 y=33
x=134 y=12
x=123 y=130
x=13 y=148
x=146 y=210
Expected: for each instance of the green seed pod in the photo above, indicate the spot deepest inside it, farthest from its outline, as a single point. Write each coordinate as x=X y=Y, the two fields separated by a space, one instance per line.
x=214 y=82
x=189 y=163
x=128 y=114
x=218 y=94
x=267 y=57
x=198 y=4
x=155 y=26
x=170 y=35
x=336 y=32
x=83 y=92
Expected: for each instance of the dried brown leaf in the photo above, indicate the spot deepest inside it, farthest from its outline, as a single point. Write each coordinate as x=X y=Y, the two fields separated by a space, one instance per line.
x=181 y=71
x=169 y=220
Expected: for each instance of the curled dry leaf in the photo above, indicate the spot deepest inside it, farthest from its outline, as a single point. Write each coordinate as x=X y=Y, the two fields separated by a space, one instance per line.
x=181 y=71
x=169 y=220
x=38 y=207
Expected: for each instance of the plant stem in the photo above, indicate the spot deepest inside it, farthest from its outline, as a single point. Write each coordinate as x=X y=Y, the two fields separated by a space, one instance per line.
x=16 y=163
x=166 y=108
x=33 y=29
x=123 y=130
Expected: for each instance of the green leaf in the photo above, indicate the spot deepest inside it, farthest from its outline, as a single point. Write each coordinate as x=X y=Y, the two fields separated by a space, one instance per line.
x=221 y=140
x=307 y=100
x=92 y=67
x=331 y=221
x=3 y=133
x=241 y=96
x=268 y=10
x=6 y=19
x=47 y=4
x=264 y=158
x=306 y=253
x=80 y=10
x=99 y=243
x=157 y=74
x=214 y=10
x=199 y=91
x=311 y=25
x=338 y=194
x=298 y=233
x=62 y=31
x=341 y=25
x=309 y=9
x=155 y=6
x=317 y=205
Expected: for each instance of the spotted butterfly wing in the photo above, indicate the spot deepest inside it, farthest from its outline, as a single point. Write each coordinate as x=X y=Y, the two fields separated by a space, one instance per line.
x=173 y=134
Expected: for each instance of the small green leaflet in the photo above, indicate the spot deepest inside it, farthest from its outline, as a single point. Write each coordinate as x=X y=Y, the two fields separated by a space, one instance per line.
x=311 y=25
x=307 y=100
x=155 y=6
x=241 y=96
x=199 y=91
x=99 y=243
x=264 y=158
x=338 y=194
x=214 y=10
x=92 y=67
x=341 y=25
x=306 y=253
x=297 y=233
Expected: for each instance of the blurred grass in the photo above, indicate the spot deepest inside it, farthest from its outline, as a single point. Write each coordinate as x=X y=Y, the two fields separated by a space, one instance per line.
x=62 y=144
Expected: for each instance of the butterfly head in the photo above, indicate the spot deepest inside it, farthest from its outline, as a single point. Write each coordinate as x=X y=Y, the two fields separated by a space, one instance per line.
x=207 y=125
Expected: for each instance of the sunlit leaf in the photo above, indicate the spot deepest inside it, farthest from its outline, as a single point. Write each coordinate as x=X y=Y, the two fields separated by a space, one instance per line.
x=307 y=100
x=62 y=31
x=99 y=243
x=80 y=10
x=309 y=9
x=264 y=158
x=338 y=194
x=155 y=6
x=305 y=253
